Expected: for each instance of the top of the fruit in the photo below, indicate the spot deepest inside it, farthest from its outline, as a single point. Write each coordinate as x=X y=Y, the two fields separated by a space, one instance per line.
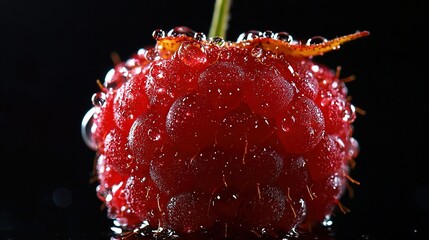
x=281 y=42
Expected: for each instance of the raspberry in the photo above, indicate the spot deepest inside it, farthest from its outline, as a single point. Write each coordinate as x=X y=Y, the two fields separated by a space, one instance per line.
x=198 y=137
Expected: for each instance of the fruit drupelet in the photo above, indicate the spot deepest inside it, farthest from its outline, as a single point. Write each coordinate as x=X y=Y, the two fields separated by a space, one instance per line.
x=200 y=135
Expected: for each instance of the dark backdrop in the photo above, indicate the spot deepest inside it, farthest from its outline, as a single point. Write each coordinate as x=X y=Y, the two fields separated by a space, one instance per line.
x=52 y=52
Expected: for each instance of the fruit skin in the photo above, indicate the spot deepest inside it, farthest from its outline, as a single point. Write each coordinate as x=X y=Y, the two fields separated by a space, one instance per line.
x=209 y=136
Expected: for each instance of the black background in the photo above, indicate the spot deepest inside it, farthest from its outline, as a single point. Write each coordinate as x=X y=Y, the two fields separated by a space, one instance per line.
x=52 y=52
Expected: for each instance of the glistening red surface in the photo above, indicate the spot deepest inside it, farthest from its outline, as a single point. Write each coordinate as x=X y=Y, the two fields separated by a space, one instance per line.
x=197 y=135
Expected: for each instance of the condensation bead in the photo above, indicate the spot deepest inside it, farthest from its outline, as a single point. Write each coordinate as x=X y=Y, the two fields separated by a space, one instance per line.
x=98 y=99
x=200 y=36
x=316 y=40
x=178 y=31
x=88 y=129
x=268 y=34
x=152 y=55
x=249 y=35
x=219 y=41
x=192 y=54
x=284 y=36
x=158 y=34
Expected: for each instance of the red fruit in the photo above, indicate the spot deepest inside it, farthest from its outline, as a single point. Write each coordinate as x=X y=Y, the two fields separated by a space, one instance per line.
x=214 y=137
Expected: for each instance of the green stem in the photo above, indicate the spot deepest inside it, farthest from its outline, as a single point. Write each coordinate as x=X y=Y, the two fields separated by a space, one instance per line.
x=220 y=18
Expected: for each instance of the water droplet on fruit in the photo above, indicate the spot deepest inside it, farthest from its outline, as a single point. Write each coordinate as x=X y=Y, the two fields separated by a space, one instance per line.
x=349 y=113
x=152 y=54
x=268 y=34
x=283 y=36
x=98 y=99
x=257 y=52
x=109 y=76
x=286 y=123
x=316 y=40
x=192 y=54
x=131 y=63
x=88 y=128
x=142 y=52
x=200 y=36
x=219 y=41
x=353 y=148
x=249 y=35
x=327 y=222
x=179 y=31
x=315 y=68
x=154 y=134
x=158 y=33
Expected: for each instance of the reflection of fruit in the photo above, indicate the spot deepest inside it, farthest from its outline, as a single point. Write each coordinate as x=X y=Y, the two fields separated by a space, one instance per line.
x=199 y=135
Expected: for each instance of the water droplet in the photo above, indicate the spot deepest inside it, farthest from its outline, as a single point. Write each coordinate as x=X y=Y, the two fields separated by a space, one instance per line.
x=287 y=123
x=349 y=113
x=154 y=134
x=353 y=148
x=88 y=128
x=152 y=55
x=327 y=222
x=98 y=99
x=158 y=33
x=249 y=35
x=257 y=52
x=316 y=40
x=241 y=37
x=283 y=36
x=217 y=41
x=179 y=31
x=315 y=68
x=131 y=63
x=192 y=54
x=142 y=52
x=268 y=34
x=109 y=77
x=200 y=36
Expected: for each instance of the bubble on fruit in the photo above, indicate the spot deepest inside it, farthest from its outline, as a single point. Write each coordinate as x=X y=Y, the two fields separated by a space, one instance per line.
x=154 y=134
x=152 y=55
x=316 y=40
x=219 y=41
x=109 y=76
x=98 y=99
x=200 y=36
x=178 y=31
x=88 y=128
x=283 y=36
x=257 y=52
x=142 y=53
x=192 y=54
x=158 y=33
x=348 y=114
x=268 y=34
x=249 y=35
